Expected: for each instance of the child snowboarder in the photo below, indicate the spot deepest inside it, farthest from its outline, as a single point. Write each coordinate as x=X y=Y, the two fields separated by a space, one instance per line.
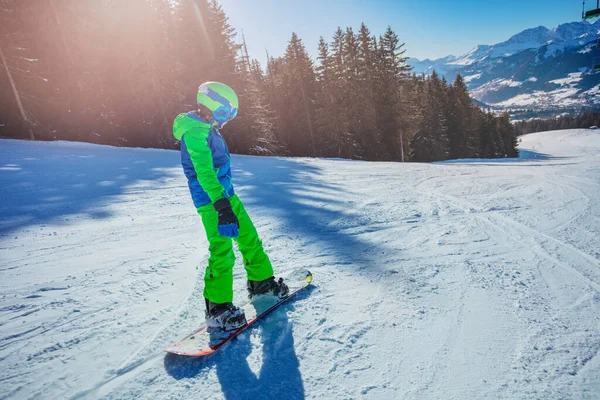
x=206 y=164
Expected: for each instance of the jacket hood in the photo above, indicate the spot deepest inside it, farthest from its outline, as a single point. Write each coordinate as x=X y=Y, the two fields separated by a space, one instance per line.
x=188 y=122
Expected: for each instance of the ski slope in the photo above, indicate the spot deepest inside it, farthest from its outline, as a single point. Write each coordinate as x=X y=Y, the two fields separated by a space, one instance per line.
x=470 y=279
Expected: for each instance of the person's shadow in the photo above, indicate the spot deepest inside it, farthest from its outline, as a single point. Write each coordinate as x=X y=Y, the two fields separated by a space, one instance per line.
x=279 y=375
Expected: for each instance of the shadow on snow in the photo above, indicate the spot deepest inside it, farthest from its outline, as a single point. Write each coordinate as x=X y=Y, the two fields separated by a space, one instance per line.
x=46 y=182
x=279 y=375
x=312 y=209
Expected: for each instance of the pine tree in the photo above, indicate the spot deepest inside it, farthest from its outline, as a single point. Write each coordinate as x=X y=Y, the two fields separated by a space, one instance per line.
x=508 y=136
x=412 y=98
x=259 y=129
x=298 y=85
x=325 y=121
x=367 y=124
x=350 y=99
x=391 y=72
x=335 y=115
x=459 y=120
x=487 y=140
x=431 y=142
x=222 y=36
x=323 y=68
x=12 y=94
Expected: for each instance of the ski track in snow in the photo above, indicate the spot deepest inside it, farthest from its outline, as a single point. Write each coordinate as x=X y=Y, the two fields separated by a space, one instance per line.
x=467 y=279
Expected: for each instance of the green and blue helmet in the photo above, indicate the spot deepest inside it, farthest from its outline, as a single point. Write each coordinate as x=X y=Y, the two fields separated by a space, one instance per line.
x=220 y=99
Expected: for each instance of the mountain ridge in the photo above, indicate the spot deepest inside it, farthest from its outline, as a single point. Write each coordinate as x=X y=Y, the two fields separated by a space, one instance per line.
x=544 y=35
x=539 y=70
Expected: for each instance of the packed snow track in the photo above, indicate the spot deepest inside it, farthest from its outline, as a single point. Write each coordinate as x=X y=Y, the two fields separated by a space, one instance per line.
x=470 y=279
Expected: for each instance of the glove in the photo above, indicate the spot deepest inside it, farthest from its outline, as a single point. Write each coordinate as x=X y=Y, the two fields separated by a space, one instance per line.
x=228 y=222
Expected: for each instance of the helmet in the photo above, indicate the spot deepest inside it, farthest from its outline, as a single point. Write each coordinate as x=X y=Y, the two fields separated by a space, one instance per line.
x=220 y=99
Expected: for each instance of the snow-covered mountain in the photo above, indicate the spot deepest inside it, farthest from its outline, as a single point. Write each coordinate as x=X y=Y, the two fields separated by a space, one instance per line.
x=468 y=279
x=541 y=69
x=427 y=65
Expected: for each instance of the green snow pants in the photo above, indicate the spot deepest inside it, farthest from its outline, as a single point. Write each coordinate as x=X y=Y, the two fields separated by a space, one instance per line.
x=218 y=278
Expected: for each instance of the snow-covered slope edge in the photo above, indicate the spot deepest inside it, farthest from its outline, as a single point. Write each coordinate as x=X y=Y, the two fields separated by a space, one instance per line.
x=471 y=279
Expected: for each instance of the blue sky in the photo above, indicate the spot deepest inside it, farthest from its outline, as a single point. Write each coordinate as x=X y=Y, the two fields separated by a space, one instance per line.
x=430 y=29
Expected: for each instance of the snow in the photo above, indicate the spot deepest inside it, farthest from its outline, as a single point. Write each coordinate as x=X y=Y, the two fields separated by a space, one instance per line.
x=569 y=80
x=470 y=78
x=587 y=49
x=568 y=94
x=510 y=83
x=495 y=85
x=478 y=53
x=565 y=96
x=458 y=280
x=427 y=66
x=558 y=39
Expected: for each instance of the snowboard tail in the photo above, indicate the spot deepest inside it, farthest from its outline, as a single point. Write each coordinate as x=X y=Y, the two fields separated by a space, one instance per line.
x=207 y=340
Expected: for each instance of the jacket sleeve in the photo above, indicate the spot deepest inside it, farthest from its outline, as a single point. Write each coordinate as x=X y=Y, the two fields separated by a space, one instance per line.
x=196 y=142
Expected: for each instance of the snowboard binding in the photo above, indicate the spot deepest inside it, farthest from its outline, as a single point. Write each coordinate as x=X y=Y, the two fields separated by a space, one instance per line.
x=224 y=316
x=268 y=286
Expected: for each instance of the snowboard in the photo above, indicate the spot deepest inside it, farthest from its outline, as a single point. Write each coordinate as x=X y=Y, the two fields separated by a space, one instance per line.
x=207 y=340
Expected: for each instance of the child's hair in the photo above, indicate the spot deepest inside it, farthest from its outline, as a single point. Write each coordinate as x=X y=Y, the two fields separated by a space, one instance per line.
x=204 y=112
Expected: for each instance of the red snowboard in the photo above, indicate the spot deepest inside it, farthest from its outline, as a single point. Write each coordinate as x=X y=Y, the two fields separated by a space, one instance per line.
x=207 y=340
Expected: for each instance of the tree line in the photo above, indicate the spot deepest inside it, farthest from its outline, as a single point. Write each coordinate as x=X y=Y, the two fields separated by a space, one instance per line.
x=585 y=120
x=118 y=72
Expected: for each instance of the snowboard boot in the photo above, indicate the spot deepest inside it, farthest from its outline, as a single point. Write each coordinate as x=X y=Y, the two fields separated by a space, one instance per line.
x=268 y=286
x=225 y=316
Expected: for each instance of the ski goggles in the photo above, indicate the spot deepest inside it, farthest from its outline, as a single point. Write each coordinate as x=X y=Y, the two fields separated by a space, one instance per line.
x=226 y=112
